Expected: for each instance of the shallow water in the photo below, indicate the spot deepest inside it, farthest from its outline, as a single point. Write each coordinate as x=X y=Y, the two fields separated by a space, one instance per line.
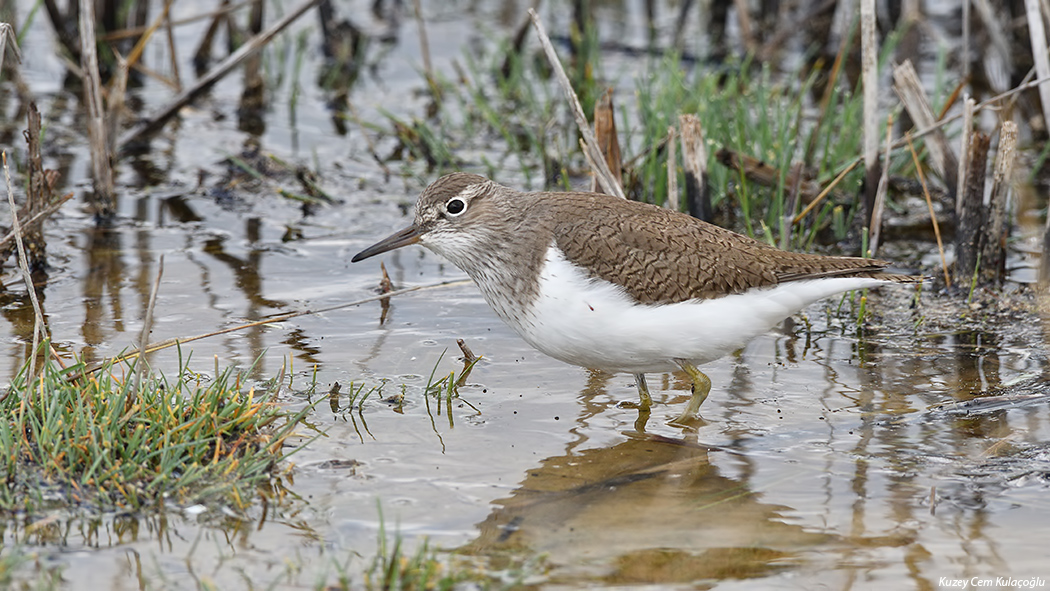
x=826 y=459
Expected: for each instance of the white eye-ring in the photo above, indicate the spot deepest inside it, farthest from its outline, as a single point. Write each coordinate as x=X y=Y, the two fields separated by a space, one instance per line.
x=455 y=206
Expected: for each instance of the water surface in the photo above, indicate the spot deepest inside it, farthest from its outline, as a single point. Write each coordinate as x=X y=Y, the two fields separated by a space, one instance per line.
x=828 y=457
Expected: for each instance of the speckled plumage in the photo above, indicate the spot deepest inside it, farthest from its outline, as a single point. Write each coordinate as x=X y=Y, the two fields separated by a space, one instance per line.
x=612 y=284
x=658 y=256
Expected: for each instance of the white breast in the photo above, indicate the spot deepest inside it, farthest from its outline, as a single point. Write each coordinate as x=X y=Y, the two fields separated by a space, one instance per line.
x=594 y=323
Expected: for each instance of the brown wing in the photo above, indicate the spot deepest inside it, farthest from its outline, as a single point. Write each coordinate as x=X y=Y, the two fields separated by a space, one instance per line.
x=679 y=256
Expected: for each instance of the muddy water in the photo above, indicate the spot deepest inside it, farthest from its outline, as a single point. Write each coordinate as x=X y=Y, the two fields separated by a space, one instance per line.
x=828 y=458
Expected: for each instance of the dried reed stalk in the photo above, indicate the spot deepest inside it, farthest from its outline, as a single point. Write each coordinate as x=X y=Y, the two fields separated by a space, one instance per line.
x=993 y=247
x=1037 y=34
x=694 y=163
x=875 y=227
x=929 y=205
x=672 y=170
x=607 y=138
x=424 y=48
x=964 y=151
x=968 y=234
x=870 y=76
x=168 y=343
x=590 y=143
x=908 y=87
x=23 y=265
x=827 y=190
x=103 y=199
x=154 y=123
x=147 y=327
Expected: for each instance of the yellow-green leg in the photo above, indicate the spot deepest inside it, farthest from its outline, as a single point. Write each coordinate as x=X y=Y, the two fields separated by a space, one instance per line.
x=645 y=401
x=701 y=388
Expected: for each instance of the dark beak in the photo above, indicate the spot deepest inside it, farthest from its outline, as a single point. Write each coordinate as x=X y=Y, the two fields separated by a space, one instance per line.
x=409 y=235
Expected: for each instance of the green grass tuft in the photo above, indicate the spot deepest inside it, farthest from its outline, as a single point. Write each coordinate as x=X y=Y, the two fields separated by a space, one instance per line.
x=91 y=441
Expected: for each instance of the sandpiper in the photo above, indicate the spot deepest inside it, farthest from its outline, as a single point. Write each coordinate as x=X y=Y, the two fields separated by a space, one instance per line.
x=611 y=284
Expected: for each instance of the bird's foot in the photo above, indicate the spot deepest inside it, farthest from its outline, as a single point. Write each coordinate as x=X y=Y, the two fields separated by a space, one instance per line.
x=690 y=418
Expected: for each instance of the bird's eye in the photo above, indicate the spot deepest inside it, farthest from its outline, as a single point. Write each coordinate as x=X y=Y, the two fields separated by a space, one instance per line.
x=455 y=206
